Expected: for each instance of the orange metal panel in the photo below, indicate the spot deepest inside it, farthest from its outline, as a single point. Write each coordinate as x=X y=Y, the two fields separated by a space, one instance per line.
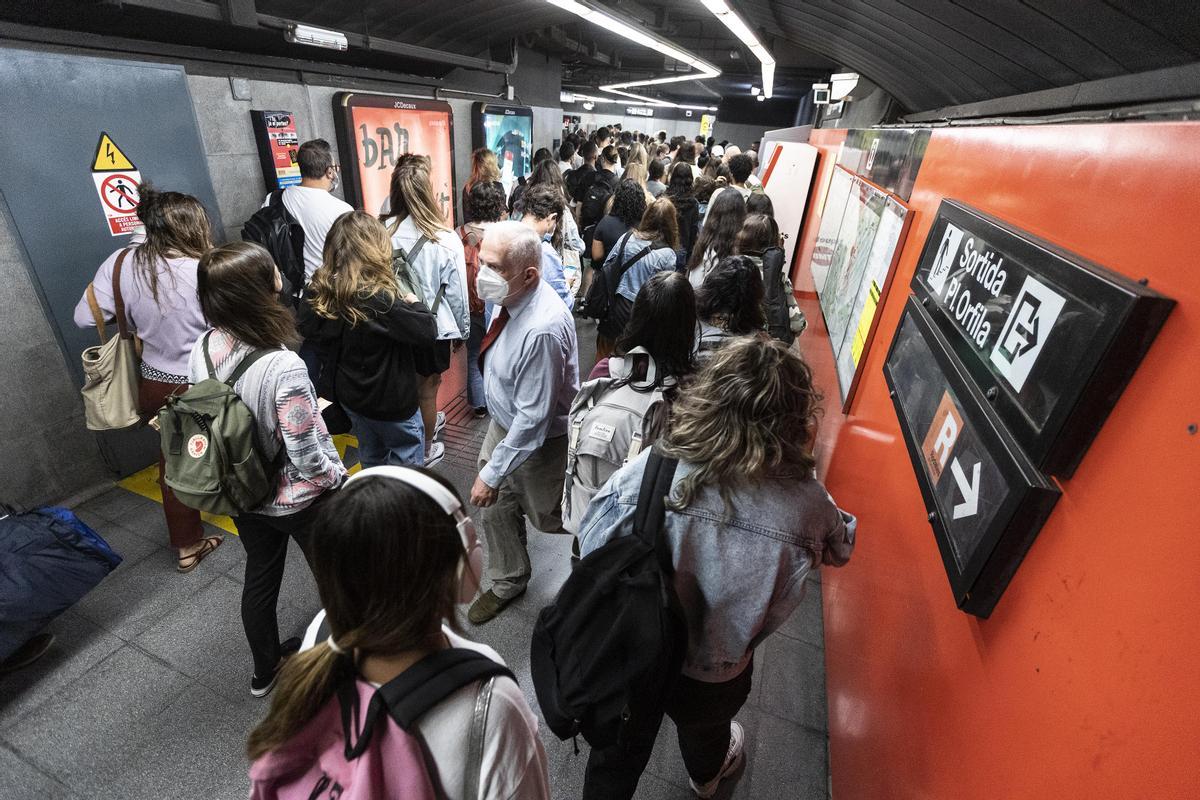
x=1083 y=683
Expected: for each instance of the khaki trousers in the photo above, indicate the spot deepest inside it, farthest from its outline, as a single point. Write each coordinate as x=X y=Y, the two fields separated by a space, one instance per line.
x=532 y=491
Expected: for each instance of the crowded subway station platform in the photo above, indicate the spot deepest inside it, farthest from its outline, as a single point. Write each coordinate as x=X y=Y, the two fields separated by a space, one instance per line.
x=529 y=399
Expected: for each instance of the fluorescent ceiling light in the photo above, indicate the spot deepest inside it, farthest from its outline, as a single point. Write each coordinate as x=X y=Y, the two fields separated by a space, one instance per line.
x=739 y=28
x=569 y=97
x=610 y=22
x=316 y=37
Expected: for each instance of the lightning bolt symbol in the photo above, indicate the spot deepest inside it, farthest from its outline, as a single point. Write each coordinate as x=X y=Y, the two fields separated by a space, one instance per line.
x=108 y=152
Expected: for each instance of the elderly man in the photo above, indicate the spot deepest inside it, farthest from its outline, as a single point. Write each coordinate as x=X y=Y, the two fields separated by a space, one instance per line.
x=530 y=364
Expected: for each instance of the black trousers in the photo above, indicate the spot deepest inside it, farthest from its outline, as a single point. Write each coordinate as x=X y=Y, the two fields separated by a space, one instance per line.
x=266 y=542
x=701 y=713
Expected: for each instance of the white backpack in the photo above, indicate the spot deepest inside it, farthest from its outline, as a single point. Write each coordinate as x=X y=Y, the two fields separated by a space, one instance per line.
x=606 y=429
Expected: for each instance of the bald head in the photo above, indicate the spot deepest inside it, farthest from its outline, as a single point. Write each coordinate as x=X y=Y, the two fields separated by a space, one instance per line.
x=515 y=247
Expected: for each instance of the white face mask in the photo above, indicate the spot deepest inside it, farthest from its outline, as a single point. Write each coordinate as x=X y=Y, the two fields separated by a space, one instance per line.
x=491 y=286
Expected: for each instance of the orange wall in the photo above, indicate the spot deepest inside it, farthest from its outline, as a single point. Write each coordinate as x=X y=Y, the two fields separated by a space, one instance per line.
x=1085 y=681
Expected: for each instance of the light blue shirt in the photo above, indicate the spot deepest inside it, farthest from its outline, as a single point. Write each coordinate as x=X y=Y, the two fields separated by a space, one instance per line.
x=553 y=274
x=531 y=375
x=439 y=262
x=660 y=260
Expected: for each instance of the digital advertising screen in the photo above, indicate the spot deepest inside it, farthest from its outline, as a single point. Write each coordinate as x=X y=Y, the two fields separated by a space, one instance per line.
x=508 y=132
x=374 y=130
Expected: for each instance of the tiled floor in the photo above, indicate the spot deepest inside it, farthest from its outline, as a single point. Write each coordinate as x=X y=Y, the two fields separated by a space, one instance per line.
x=145 y=695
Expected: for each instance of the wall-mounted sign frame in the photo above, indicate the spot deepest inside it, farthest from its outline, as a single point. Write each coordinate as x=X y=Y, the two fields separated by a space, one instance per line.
x=1050 y=338
x=986 y=500
x=508 y=132
x=277 y=140
x=858 y=246
x=374 y=130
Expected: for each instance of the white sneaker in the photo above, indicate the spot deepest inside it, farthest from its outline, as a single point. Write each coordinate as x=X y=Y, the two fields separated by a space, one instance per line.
x=441 y=423
x=733 y=760
x=437 y=451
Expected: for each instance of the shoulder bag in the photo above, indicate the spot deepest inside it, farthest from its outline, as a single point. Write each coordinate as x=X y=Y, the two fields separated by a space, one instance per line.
x=110 y=369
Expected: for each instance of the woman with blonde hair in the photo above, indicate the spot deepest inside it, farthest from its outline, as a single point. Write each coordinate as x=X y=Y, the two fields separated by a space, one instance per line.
x=746 y=521
x=436 y=267
x=155 y=280
x=484 y=169
x=368 y=330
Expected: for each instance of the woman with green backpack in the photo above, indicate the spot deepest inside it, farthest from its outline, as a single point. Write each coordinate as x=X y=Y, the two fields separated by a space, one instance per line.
x=238 y=285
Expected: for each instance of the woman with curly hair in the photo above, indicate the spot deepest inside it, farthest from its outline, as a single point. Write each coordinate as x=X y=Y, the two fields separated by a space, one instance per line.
x=746 y=521
x=628 y=206
x=729 y=303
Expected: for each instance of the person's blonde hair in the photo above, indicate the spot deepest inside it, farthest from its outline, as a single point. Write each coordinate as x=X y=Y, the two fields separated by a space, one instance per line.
x=637 y=155
x=484 y=167
x=637 y=172
x=659 y=223
x=412 y=195
x=750 y=414
x=357 y=264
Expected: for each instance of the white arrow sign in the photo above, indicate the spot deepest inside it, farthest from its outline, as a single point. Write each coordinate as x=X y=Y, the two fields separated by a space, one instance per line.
x=969 y=489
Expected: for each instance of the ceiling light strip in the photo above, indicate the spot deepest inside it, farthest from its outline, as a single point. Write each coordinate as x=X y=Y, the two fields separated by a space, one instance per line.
x=730 y=19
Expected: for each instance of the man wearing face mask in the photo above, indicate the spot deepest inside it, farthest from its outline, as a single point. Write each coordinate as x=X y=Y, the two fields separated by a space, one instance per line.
x=312 y=202
x=530 y=364
x=541 y=209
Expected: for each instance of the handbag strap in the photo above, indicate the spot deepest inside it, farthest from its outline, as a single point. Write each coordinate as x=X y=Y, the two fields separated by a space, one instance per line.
x=118 y=300
x=474 y=764
x=97 y=313
x=623 y=266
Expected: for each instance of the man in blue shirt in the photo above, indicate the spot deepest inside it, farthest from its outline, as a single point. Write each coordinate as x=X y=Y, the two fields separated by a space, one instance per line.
x=541 y=208
x=530 y=364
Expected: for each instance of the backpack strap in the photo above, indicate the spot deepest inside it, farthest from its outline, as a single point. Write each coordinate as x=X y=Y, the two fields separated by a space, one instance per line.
x=411 y=255
x=651 y=509
x=623 y=266
x=245 y=364
x=475 y=741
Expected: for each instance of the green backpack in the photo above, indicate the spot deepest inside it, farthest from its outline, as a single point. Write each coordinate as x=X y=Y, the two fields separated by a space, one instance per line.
x=212 y=457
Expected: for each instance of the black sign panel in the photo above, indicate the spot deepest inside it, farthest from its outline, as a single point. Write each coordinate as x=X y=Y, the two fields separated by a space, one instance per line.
x=1050 y=338
x=985 y=499
x=890 y=157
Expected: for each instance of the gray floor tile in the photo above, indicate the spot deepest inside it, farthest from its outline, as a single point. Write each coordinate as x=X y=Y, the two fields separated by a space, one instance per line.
x=789 y=762
x=130 y=601
x=173 y=764
x=791 y=675
x=806 y=623
x=127 y=544
x=115 y=503
x=23 y=781
x=89 y=732
x=78 y=646
x=651 y=787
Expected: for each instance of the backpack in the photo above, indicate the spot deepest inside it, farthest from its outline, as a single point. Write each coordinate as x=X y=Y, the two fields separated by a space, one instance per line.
x=402 y=264
x=601 y=296
x=775 y=300
x=212 y=458
x=605 y=429
x=379 y=756
x=274 y=227
x=595 y=198
x=611 y=645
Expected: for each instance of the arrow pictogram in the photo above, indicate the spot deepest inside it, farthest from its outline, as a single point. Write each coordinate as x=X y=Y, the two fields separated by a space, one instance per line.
x=970 y=489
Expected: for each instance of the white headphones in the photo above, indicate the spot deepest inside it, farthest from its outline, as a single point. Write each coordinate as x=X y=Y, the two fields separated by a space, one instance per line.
x=470 y=567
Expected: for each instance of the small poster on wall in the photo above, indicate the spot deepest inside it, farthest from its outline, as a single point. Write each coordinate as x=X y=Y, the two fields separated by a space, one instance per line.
x=277 y=140
x=508 y=132
x=374 y=130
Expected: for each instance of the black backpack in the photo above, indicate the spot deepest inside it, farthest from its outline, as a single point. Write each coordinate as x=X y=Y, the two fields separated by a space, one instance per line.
x=602 y=301
x=595 y=198
x=775 y=302
x=610 y=647
x=276 y=229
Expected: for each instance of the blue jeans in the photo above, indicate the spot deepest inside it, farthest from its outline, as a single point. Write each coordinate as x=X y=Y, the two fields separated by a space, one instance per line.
x=392 y=442
x=475 y=395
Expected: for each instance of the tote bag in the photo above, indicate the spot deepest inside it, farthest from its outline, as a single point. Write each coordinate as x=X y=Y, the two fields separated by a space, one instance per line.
x=110 y=369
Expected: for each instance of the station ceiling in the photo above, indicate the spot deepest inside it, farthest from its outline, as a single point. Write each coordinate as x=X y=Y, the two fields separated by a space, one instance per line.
x=926 y=53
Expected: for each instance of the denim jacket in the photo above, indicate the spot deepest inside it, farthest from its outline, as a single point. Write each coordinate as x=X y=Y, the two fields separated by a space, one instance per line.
x=739 y=573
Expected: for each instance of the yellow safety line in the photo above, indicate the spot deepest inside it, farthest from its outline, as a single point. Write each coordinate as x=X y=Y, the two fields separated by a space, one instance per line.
x=145 y=483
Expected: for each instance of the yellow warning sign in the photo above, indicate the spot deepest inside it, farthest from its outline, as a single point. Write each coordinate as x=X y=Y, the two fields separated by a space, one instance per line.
x=109 y=157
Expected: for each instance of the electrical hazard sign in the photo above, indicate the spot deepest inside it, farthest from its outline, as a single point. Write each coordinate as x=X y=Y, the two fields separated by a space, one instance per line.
x=116 y=180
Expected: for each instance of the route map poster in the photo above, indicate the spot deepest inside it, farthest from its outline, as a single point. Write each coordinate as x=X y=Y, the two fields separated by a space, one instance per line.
x=508 y=132
x=375 y=130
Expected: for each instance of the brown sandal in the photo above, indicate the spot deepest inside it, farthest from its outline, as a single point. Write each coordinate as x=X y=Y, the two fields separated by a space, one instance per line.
x=193 y=560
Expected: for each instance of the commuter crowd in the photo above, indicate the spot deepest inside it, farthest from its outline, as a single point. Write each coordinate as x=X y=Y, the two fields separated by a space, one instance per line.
x=682 y=460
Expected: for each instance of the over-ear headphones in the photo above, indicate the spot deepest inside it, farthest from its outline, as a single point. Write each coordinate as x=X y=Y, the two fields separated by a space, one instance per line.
x=470 y=567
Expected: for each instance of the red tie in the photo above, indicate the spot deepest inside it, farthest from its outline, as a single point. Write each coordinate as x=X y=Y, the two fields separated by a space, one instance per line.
x=493 y=333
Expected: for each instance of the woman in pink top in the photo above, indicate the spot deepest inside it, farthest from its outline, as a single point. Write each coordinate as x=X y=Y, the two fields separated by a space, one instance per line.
x=158 y=287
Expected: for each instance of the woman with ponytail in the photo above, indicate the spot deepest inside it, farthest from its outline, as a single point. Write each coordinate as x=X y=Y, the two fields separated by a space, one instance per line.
x=157 y=282
x=390 y=564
